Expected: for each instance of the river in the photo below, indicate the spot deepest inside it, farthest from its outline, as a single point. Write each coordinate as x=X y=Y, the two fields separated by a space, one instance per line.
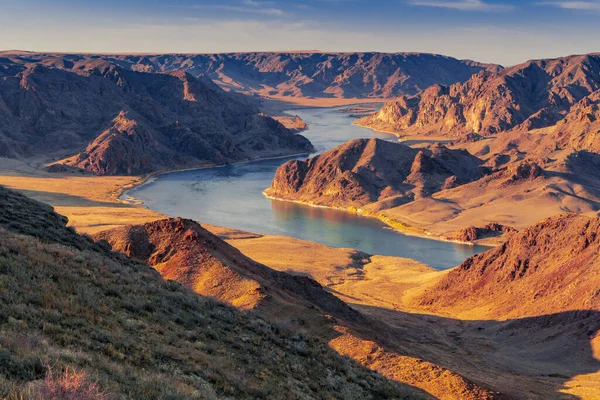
x=231 y=196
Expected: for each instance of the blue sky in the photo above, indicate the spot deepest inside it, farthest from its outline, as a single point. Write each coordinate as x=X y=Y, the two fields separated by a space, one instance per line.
x=506 y=32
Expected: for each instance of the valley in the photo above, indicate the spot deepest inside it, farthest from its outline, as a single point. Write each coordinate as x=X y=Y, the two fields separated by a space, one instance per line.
x=203 y=243
x=232 y=196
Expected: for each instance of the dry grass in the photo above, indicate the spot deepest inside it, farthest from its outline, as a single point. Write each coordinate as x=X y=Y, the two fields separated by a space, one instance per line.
x=66 y=302
x=90 y=202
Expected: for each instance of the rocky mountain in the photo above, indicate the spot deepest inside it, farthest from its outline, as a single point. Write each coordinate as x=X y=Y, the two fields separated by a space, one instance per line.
x=118 y=121
x=547 y=268
x=297 y=74
x=365 y=171
x=78 y=321
x=532 y=95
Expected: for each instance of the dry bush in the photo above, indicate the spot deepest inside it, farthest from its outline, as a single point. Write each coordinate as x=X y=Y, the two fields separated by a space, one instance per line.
x=70 y=385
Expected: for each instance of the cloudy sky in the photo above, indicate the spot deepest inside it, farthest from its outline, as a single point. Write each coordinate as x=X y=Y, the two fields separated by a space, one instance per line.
x=506 y=32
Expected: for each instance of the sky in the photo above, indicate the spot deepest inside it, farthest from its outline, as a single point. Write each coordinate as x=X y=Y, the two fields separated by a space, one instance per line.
x=504 y=32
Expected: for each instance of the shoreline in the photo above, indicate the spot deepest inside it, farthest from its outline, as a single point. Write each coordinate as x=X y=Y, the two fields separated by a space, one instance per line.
x=376 y=129
x=150 y=177
x=390 y=223
x=407 y=138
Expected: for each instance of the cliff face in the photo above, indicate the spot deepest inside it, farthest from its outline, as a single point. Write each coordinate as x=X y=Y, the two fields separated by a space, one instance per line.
x=297 y=74
x=547 y=268
x=532 y=95
x=131 y=122
x=365 y=171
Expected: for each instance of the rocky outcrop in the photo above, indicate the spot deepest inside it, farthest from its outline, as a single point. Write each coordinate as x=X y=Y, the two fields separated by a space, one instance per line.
x=532 y=95
x=296 y=74
x=550 y=267
x=132 y=122
x=365 y=171
x=472 y=233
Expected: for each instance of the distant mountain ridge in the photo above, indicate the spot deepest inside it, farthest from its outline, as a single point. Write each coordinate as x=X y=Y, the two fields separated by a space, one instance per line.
x=294 y=74
x=532 y=95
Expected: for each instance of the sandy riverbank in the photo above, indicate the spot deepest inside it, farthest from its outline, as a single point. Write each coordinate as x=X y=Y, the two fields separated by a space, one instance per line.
x=396 y=225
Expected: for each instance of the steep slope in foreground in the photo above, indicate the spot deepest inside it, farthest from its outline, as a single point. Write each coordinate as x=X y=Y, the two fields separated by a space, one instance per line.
x=131 y=122
x=365 y=171
x=107 y=327
x=535 y=94
x=297 y=74
x=547 y=268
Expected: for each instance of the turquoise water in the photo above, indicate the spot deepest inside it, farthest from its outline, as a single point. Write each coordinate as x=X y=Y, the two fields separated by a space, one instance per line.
x=231 y=196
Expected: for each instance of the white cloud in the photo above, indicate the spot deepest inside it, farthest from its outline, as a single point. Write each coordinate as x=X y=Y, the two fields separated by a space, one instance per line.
x=465 y=5
x=574 y=5
x=254 y=3
x=248 y=7
x=266 y=11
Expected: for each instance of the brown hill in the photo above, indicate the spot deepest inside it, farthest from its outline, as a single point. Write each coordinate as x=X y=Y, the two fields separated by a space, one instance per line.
x=365 y=171
x=131 y=122
x=183 y=251
x=547 y=268
x=296 y=74
x=77 y=321
x=532 y=95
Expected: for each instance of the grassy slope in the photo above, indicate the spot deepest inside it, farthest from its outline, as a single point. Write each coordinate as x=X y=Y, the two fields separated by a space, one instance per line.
x=66 y=302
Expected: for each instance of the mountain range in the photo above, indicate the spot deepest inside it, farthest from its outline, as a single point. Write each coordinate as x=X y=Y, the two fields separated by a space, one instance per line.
x=533 y=95
x=529 y=137
x=295 y=74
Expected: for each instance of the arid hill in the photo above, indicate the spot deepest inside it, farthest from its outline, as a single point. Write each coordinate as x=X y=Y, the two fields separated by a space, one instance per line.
x=183 y=251
x=547 y=268
x=365 y=171
x=297 y=74
x=443 y=191
x=118 y=121
x=532 y=95
x=78 y=321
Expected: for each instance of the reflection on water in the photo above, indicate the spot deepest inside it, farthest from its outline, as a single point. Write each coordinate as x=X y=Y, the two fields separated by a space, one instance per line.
x=231 y=196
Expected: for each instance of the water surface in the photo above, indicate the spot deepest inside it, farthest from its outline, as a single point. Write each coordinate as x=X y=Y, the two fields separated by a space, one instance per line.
x=231 y=196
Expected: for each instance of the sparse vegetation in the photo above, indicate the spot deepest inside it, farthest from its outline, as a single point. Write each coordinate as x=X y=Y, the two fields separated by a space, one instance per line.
x=111 y=328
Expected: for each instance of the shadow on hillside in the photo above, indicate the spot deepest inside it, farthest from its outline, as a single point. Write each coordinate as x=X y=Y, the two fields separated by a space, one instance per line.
x=522 y=358
x=67 y=200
